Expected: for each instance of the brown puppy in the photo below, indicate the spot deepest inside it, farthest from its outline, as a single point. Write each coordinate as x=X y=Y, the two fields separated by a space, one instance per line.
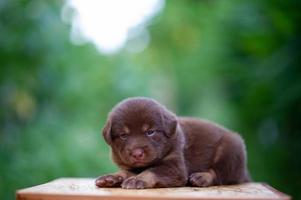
x=155 y=148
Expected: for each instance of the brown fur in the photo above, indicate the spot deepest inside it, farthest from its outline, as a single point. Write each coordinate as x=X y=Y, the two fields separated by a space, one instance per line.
x=155 y=148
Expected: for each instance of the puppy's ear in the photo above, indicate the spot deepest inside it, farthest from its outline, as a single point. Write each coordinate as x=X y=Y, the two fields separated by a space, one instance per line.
x=169 y=122
x=106 y=132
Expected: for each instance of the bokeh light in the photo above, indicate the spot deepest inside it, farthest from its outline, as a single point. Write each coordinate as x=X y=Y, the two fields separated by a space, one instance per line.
x=108 y=24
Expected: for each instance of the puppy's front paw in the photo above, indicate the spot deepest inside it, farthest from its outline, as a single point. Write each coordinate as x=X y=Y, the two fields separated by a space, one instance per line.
x=133 y=183
x=201 y=179
x=109 y=181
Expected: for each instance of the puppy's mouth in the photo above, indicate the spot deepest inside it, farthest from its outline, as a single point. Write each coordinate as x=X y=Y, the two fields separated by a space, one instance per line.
x=141 y=163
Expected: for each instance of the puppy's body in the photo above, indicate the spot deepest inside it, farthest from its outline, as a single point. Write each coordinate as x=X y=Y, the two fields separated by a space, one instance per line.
x=211 y=147
x=154 y=148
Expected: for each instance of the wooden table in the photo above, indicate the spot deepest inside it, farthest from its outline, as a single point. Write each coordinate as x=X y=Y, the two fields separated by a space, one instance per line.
x=84 y=188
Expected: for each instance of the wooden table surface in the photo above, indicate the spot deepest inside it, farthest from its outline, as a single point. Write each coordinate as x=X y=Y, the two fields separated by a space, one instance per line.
x=84 y=188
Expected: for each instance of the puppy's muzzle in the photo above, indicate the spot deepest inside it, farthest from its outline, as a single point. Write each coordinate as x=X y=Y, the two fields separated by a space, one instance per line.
x=137 y=154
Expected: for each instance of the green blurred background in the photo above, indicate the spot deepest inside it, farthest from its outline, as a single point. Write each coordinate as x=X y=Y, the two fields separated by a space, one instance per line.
x=234 y=62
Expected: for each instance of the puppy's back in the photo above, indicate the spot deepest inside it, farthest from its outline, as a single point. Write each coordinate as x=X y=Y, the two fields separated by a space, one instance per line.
x=201 y=131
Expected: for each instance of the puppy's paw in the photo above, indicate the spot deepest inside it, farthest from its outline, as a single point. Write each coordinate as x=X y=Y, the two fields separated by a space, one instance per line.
x=201 y=179
x=133 y=183
x=109 y=181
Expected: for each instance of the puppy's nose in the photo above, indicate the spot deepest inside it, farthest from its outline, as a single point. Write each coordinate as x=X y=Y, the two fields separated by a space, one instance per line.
x=138 y=153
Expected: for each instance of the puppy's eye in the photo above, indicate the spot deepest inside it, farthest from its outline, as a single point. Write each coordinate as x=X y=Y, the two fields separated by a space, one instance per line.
x=123 y=136
x=150 y=133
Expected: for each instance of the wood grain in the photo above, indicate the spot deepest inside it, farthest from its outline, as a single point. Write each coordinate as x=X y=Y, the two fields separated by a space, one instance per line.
x=84 y=189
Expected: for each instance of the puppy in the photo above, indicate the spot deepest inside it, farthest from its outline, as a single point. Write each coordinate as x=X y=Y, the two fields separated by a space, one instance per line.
x=155 y=148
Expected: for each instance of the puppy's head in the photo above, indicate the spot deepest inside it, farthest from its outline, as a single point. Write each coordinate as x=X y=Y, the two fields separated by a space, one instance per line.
x=139 y=131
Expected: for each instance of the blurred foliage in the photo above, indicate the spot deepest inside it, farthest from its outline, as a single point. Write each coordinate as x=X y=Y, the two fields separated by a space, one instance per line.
x=234 y=62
